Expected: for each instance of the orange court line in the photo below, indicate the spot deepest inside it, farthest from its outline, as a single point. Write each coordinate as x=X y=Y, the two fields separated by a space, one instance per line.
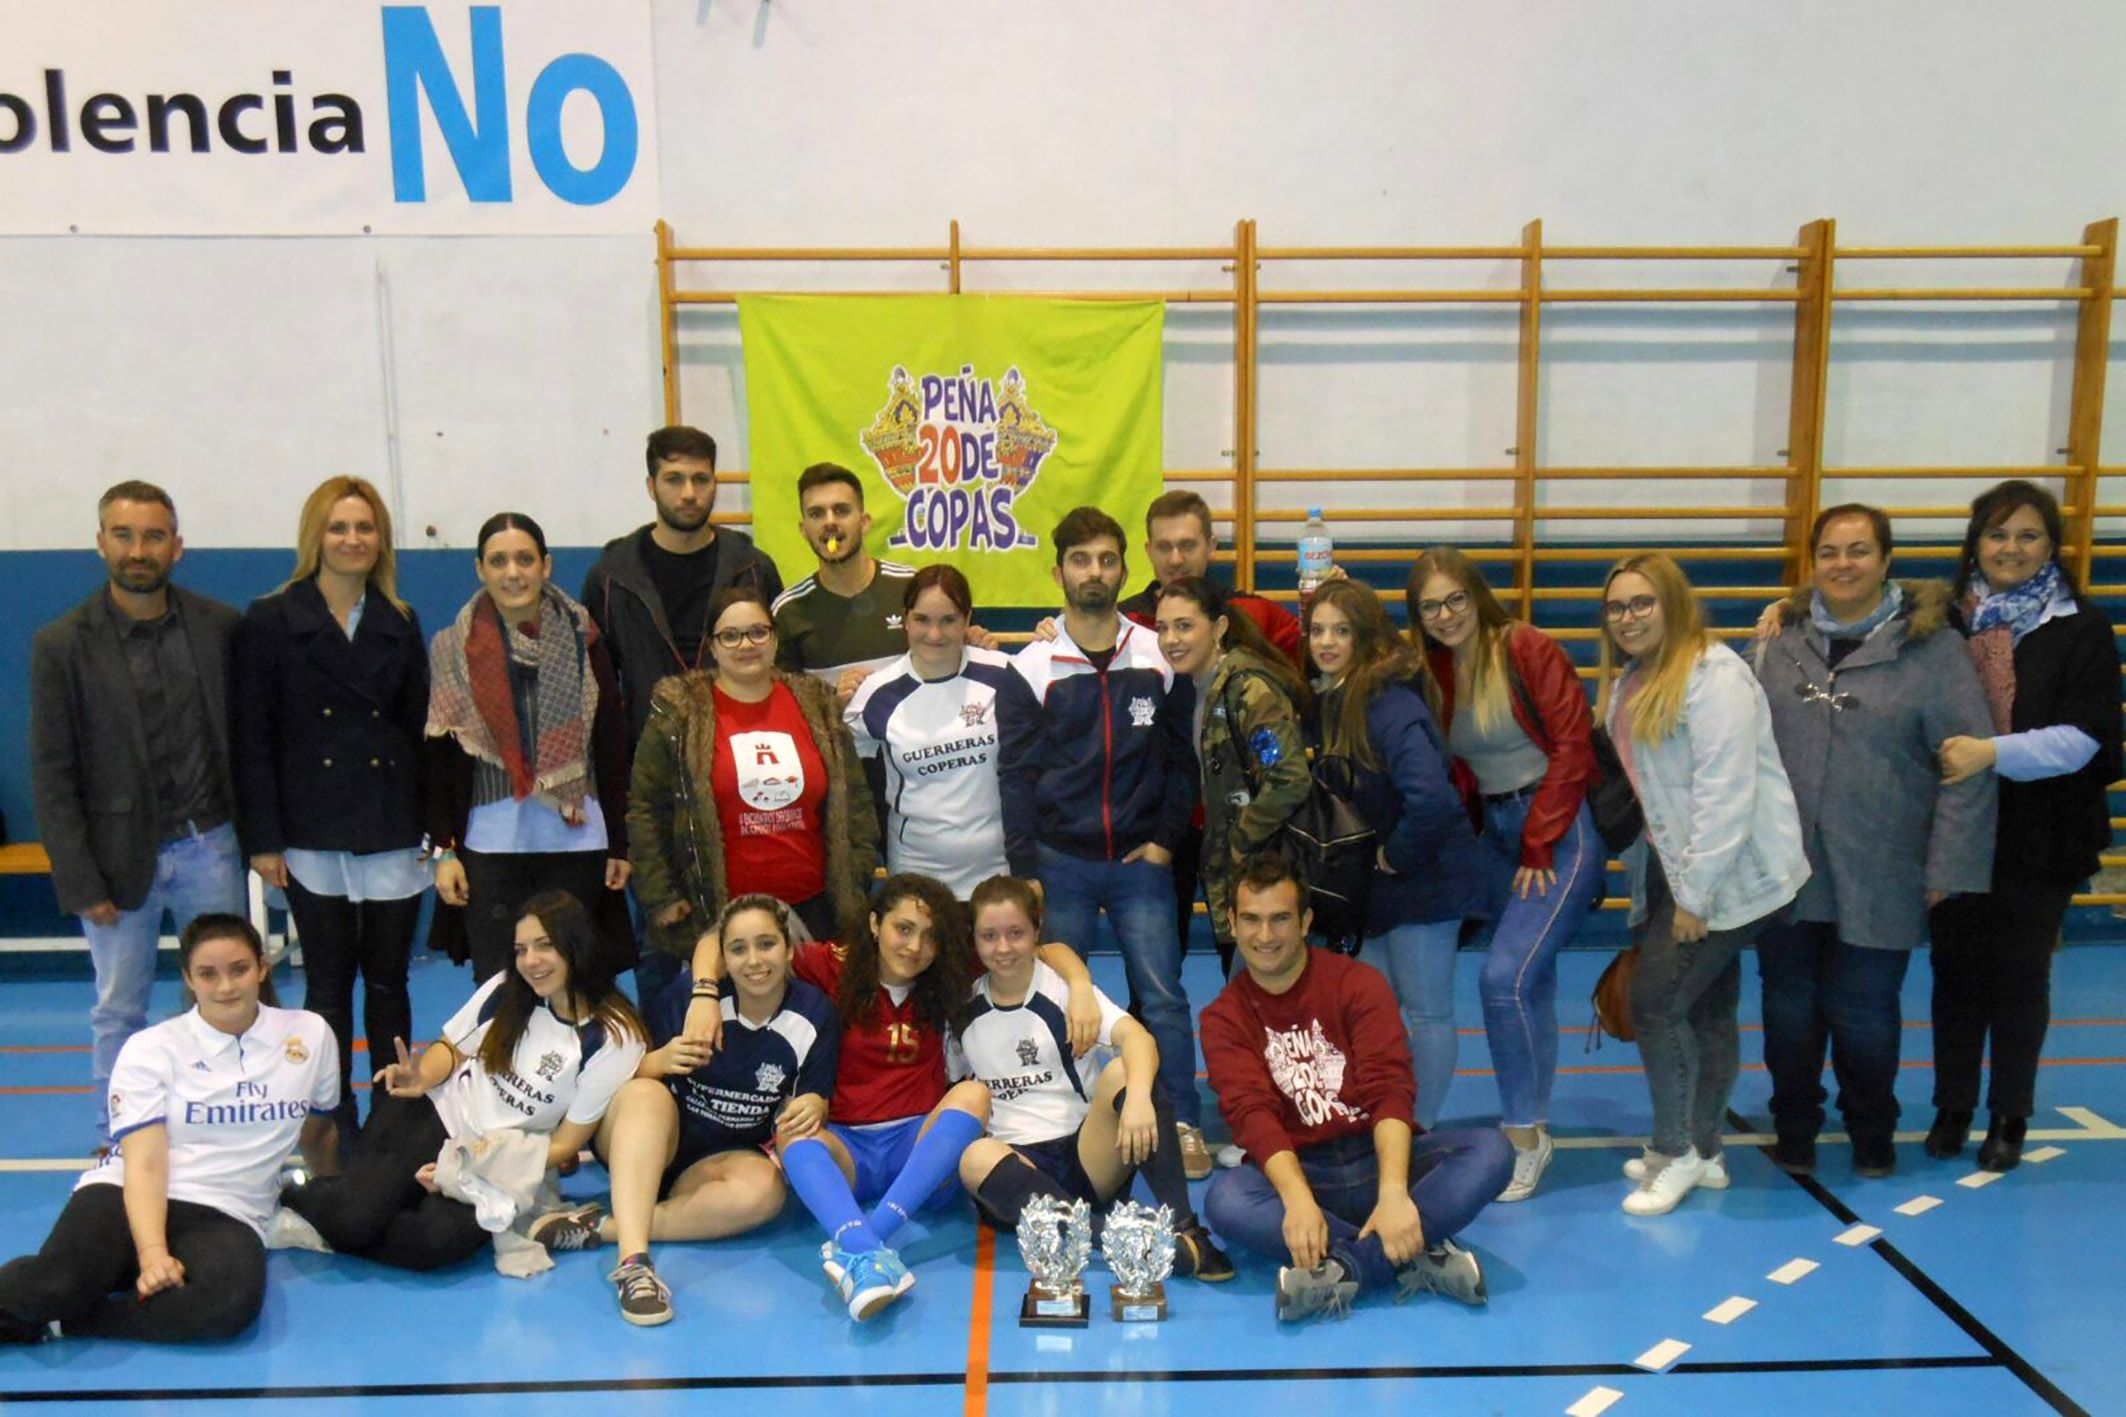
x=985 y=1254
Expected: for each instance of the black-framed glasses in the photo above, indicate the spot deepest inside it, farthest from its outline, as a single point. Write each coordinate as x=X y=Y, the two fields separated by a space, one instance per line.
x=750 y=635
x=1637 y=608
x=1453 y=604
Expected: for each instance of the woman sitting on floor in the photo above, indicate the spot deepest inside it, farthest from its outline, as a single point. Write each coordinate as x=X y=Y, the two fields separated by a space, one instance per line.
x=164 y=1242
x=689 y=1140
x=540 y=1048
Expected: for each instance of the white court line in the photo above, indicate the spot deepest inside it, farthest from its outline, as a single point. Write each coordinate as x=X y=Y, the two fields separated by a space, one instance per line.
x=1728 y=1310
x=2093 y=1126
x=1594 y=1403
x=48 y=1163
x=1919 y=1205
x=2043 y=1154
x=1858 y=1235
x=1667 y=1351
x=1791 y=1271
x=1979 y=1178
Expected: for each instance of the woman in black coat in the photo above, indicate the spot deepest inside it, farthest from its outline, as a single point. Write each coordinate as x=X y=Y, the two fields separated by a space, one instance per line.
x=2050 y=667
x=332 y=693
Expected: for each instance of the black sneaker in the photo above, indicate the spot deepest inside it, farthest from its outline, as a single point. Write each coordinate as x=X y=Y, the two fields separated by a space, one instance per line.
x=574 y=1229
x=1874 y=1157
x=1947 y=1136
x=644 y=1299
x=1795 y=1155
x=1304 y=1293
x=1195 y=1257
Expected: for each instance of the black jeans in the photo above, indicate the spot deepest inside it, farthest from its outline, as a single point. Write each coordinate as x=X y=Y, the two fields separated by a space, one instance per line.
x=1993 y=974
x=1820 y=990
x=497 y=885
x=377 y=1210
x=84 y=1276
x=339 y=938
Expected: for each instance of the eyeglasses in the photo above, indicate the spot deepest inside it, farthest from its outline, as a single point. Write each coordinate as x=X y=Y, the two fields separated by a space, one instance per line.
x=1453 y=604
x=750 y=635
x=1636 y=608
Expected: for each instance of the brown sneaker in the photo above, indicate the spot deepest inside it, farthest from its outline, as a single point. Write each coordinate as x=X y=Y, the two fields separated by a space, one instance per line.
x=1196 y=1161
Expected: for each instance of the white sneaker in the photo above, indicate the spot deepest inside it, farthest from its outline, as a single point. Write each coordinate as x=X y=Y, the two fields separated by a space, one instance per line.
x=1228 y=1156
x=1666 y=1185
x=1529 y=1166
x=290 y=1231
x=1714 y=1179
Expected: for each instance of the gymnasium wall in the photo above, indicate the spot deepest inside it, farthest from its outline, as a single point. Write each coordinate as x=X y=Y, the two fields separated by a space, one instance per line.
x=473 y=373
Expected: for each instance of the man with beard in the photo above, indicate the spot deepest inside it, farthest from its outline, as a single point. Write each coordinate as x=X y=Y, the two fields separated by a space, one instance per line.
x=844 y=620
x=1098 y=771
x=130 y=760
x=650 y=591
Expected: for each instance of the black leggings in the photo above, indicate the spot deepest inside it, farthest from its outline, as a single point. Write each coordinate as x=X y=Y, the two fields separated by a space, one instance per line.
x=377 y=1210
x=340 y=936
x=84 y=1276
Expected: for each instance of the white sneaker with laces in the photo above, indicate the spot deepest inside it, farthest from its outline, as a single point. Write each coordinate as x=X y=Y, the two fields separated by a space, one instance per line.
x=1666 y=1184
x=1714 y=1179
x=1529 y=1166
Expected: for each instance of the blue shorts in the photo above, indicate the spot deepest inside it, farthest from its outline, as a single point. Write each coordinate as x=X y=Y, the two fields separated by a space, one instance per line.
x=881 y=1152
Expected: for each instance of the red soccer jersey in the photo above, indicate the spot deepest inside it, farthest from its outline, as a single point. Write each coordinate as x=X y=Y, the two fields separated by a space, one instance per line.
x=769 y=782
x=1325 y=1059
x=891 y=1068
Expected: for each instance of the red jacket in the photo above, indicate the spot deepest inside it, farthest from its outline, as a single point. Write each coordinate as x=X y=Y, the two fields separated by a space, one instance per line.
x=1325 y=1059
x=1548 y=681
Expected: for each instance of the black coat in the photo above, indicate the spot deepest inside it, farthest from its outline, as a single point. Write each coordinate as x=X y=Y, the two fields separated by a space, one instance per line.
x=89 y=774
x=328 y=730
x=2052 y=830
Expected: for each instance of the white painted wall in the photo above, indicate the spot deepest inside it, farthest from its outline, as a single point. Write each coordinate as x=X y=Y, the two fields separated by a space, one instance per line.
x=525 y=371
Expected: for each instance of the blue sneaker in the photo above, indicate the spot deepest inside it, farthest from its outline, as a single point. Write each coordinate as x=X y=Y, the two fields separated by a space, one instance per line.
x=871 y=1280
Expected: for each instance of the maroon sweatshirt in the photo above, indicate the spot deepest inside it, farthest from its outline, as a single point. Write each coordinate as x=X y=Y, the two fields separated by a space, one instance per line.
x=1325 y=1059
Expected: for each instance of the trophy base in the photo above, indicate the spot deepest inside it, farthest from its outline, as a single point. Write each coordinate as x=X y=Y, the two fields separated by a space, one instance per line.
x=1041 y=1309
x=1146 y=1308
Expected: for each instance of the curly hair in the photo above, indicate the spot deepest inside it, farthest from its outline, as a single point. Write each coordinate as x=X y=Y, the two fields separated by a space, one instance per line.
x=941 y=991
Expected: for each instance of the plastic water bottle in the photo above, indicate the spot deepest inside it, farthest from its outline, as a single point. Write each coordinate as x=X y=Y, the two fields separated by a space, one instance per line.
x=1316 y=553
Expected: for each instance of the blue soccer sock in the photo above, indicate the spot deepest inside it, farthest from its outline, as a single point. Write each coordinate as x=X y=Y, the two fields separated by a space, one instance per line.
x=936 y=1155
x=811 y=1170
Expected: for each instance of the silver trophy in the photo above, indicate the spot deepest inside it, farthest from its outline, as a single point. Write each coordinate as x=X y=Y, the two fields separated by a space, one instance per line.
x=1139 y=1245
x=1056 y=1241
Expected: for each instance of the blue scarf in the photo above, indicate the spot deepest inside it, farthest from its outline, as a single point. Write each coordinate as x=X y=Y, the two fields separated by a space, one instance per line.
x=1893 y=600
x=2019 y=607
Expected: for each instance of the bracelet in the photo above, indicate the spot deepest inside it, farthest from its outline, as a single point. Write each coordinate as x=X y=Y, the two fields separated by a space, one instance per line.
x=707 y=991
x=446 y=854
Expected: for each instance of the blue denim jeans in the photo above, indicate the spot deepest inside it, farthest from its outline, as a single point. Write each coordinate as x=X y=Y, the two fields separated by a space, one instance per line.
x=1419 y=963
x=1519 y=983
x=1819 y=990
x=1139 y=900
x=1453 y=1176
x=194 y=875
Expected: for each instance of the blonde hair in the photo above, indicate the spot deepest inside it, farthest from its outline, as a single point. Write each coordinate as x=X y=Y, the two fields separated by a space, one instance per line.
x=1488 y=693
x=1658 y=705
x=310 y=535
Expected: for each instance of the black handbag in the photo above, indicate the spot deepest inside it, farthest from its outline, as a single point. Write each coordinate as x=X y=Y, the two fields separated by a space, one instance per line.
x=1328 y=841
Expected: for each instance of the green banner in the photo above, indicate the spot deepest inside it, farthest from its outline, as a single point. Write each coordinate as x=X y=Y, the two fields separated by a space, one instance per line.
x=974 y=421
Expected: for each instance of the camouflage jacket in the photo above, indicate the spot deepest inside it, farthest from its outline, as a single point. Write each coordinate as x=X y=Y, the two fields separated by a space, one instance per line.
x=1255 y=774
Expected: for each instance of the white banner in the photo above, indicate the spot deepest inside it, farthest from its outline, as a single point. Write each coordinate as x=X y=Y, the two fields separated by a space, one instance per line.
x=325 y=117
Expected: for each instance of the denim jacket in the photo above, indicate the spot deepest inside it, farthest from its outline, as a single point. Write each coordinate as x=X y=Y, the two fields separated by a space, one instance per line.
x=1718 y=806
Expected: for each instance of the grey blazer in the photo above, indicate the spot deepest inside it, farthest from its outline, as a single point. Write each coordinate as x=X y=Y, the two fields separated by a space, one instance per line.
x=89 y=774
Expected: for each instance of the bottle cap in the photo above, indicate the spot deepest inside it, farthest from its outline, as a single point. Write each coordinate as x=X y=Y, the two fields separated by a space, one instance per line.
x=1314 y=513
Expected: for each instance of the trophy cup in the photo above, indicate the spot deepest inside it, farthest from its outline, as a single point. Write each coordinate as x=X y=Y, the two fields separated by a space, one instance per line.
x=1139 y=1245
x=1056 y=1241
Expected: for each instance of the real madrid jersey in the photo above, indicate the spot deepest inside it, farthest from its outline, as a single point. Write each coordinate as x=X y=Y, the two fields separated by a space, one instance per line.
x=938 y=738
x=732 y=1100
x=233 y=1105
x=823 y=633
x=1021 y=1053
x=559 y=1071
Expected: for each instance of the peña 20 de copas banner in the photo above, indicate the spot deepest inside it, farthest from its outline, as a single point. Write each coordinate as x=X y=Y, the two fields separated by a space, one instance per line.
x=974 y=421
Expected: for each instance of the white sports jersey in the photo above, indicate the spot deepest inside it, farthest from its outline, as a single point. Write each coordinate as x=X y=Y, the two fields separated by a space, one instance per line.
x=234 y=1106
x=1021 y=1053
x=944 y=816
x=559 y=1070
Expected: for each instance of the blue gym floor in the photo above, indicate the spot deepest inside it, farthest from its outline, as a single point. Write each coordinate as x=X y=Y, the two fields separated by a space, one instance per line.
x=2000 y=1299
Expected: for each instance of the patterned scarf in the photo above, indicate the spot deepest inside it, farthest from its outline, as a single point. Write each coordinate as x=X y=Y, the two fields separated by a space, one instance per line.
x=1998 y=620
x=474 y=667
x=1893 y=600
